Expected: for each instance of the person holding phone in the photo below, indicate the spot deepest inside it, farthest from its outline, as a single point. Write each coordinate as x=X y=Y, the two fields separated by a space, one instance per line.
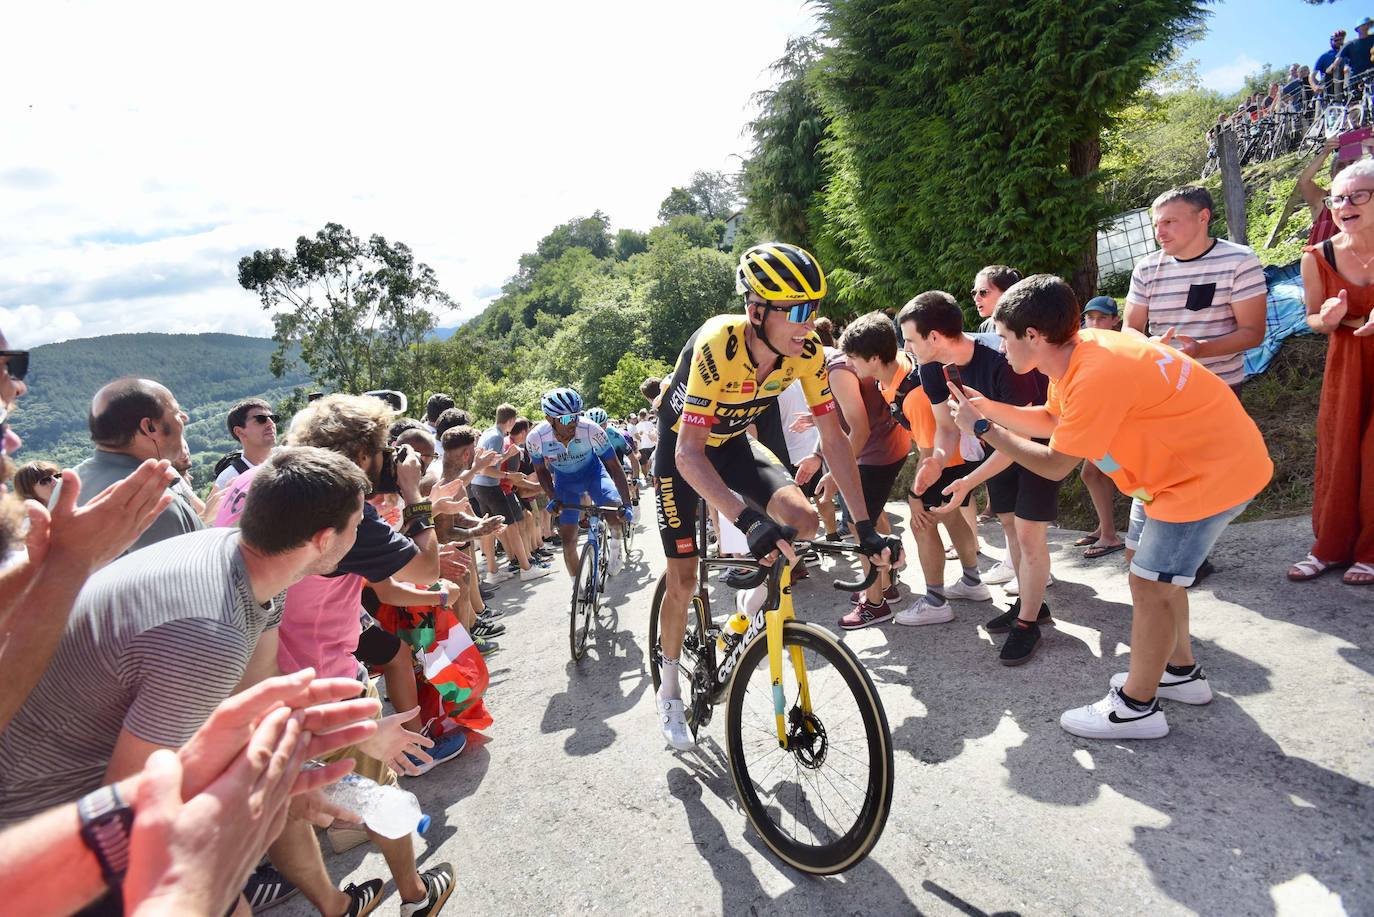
x=1024 y=502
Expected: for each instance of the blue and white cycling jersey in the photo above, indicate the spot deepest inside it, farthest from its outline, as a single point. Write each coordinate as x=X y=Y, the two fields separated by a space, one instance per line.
x=589 y=445
x=618 y=442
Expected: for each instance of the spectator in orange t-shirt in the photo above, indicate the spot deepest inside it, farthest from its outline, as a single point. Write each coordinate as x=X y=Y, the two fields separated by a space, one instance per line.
x=1170 y=435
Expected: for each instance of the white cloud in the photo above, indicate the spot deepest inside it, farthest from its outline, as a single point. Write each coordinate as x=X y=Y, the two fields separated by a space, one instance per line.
x=151 y=147
x=28 y=326
x=1230 y=76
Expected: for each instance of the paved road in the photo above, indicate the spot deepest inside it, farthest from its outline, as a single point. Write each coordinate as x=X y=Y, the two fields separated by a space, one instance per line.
x=1260 y=803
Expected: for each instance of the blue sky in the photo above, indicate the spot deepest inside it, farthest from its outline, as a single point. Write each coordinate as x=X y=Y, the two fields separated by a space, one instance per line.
x=1242 y=35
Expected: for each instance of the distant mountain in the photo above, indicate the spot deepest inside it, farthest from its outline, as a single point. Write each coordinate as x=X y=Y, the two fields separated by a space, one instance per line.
x=206 y=372
x=443 y=334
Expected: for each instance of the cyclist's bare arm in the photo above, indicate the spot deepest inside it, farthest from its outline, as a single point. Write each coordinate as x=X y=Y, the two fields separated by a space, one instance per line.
x=839 y=457
x=612 y=465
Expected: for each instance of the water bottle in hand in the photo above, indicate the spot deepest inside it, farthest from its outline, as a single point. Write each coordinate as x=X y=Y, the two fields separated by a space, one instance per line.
x=388 y=810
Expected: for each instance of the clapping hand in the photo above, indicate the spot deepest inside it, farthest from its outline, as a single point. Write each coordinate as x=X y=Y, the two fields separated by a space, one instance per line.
x=447 y=497
x=801 y=422
x=398 y=746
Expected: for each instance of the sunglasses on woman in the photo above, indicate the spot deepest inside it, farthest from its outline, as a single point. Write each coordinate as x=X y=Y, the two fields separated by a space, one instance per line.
x=52 y=478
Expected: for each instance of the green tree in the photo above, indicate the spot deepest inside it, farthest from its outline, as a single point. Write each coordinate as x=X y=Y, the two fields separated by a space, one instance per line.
x=685 y=286
x=679 y=202
x=954 y=144
x=630 y=242
x=611 y=323
x=355 y=309
x=620 y=390
x=694 y=230
x=785 y=171
x=714 y=193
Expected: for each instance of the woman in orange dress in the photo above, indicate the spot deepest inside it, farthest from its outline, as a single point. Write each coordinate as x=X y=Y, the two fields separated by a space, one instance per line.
x=1338 y=277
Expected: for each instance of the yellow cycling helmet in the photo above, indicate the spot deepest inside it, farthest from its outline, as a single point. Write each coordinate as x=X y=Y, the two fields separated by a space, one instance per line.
x=780 y=271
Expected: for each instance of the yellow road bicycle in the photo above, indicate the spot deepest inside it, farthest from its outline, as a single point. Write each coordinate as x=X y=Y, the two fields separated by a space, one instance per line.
x=809 y=746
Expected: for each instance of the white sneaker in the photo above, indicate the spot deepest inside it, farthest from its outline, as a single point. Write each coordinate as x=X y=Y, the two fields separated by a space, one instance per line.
x=534 y=572
x=500 y=575
x=1186 y=689
x=616 y=562
x=922 y=612
x=978 y=592
x=1113 y=718
x=672 y=719
x=1014 y=588
x=1001 y=572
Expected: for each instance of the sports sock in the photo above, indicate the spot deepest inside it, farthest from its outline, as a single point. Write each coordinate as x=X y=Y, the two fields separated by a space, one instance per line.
x=935 y=595
x=971 y=577
x=668 y=687
x=1180 y=669
x=1133 y=703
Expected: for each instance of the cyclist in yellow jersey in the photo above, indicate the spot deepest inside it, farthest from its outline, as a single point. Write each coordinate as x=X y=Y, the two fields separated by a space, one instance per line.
x=727 y=374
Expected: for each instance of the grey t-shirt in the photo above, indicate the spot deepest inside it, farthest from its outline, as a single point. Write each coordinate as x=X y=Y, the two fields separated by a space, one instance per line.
x=495 y=440
x=105 y=468
x=155 y=642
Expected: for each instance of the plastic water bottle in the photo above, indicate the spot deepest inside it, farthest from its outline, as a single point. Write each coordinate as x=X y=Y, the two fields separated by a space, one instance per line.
x=390 y=811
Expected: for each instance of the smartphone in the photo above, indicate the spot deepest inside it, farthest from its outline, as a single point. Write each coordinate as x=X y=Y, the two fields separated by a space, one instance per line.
x=953 y=378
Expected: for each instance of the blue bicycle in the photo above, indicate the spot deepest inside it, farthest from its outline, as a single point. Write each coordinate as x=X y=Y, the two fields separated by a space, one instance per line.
x=590 y=581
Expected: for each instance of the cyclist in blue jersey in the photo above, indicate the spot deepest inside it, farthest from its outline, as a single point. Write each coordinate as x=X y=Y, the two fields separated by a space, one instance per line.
x=573 y=458
x=624 y=448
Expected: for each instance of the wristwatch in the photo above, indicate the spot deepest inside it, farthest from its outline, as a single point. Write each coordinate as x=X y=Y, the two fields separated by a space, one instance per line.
x=105 y=822
x=981 y=426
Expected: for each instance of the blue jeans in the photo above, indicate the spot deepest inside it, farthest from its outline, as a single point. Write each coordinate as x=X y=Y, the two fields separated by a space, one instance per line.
x=1171 y=552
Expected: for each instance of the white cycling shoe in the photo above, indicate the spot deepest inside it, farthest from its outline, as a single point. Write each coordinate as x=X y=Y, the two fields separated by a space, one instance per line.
x=615 y=547
x=672 y=719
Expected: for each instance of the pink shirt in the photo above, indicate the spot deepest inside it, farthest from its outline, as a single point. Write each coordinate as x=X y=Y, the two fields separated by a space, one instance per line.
x=319 y=626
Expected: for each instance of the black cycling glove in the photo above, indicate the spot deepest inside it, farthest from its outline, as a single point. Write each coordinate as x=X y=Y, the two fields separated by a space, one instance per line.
x=762 y=533
x=871 y=544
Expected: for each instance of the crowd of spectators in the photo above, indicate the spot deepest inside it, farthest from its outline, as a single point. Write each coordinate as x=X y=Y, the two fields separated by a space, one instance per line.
x=184 y=659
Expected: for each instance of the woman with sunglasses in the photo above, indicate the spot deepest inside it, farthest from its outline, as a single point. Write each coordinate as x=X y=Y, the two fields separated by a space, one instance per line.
x=36 y=481
x=1338 y=277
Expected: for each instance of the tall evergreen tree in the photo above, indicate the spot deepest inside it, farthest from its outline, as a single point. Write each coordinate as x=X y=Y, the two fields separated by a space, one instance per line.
x=968 y=131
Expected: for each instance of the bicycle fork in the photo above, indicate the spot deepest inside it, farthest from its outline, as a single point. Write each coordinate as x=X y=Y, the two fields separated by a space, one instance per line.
x=775 y=619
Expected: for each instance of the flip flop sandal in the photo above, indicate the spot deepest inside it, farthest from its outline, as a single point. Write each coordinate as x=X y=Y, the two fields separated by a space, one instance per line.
x=1364 y=571
x=1086 y=540
x=1308 y=568
x=1102 y=550
x=951 y=553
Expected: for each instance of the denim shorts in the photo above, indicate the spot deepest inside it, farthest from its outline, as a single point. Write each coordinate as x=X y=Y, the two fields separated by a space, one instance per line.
x=1171 y=552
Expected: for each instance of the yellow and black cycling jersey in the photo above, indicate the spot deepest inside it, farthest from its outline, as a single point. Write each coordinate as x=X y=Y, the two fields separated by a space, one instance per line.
x=715 y=383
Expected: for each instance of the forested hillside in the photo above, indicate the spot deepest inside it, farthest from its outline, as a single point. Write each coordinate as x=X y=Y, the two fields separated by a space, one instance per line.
x=206 y=372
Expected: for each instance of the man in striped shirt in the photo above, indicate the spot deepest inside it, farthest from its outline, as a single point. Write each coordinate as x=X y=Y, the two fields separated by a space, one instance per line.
x=1204 y=296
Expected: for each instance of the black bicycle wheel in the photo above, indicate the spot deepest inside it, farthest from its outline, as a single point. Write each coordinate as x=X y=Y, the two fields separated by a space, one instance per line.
x=693 y=651
x=583 y=603
x=820 y=804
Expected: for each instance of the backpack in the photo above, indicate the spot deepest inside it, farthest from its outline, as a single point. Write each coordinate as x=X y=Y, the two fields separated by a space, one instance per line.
x=234 y=459
x=909 y=383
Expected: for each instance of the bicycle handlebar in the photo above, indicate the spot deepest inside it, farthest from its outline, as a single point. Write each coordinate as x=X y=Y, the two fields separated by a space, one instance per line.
x=555 y=506
x=772 y=574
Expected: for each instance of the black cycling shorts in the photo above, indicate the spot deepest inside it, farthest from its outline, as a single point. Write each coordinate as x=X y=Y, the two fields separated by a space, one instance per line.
x=1025 y=494
x=746 y=467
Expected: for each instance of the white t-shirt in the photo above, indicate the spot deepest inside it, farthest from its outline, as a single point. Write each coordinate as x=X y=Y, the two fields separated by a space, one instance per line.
x=227 y=476
x=647 y=431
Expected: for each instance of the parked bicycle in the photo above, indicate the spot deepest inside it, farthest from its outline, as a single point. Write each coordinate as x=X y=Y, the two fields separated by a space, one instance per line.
x=807 y=737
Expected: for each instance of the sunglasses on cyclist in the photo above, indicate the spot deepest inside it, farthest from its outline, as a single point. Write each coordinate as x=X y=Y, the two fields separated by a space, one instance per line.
x=264 y=418
x=17 y=365
x=1354 y=197
x=50 y=478
x=798 y=313
x=565 y=419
